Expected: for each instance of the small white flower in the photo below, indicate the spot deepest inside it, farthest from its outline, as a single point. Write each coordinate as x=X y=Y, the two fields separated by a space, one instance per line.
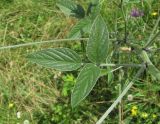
x=130 y=97
x=59 y=74
x=55 y=76
x=18 y=115
x=26 y=122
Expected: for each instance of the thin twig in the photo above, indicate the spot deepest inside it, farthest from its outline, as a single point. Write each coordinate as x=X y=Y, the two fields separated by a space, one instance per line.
x=116 y=69
x=44 y=42
x=40 y=42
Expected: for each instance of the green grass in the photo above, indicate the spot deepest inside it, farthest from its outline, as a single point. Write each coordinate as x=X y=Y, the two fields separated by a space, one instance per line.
x=29 y=88
x=34 y=91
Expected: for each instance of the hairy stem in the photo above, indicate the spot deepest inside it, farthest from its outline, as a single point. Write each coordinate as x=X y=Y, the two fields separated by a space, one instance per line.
x=124 y=65
x=41 y=42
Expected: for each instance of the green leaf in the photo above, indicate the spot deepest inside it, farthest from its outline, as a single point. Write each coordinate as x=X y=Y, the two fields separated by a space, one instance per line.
x=70 y=8
x=154 y=72
x=93 y=9
x=62 y=59
x=85 y=82
x=151 y=68
x=83 y=26
x=98 y=44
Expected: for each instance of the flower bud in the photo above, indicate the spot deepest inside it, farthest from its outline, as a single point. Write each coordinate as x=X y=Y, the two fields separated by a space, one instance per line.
x=130 y=97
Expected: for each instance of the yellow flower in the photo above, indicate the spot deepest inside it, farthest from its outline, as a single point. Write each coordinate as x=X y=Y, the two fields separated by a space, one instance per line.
x=144 y=115
x=10 y=105
x=154 y=13
x=135 y=107
x=134 y=112
x=154 y=116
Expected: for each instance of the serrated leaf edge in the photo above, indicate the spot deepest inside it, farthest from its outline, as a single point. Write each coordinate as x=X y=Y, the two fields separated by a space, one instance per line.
x=91 y=88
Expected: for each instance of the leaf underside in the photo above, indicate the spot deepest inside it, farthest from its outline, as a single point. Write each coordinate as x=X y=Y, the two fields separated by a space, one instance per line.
x=62 y=59
x=83 y=26
x=70 y=8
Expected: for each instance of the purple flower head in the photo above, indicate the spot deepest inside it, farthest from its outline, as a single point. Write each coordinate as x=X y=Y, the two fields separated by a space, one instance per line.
x=136 y=13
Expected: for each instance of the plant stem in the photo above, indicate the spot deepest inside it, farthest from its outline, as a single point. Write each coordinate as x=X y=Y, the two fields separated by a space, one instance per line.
x=41 y=42
x=120 y=105
x=151 y=68
x=125 y=23
x=141 y=70
x=151 y=38
x=124 y=65
x=44 y=42
x=83 y=46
